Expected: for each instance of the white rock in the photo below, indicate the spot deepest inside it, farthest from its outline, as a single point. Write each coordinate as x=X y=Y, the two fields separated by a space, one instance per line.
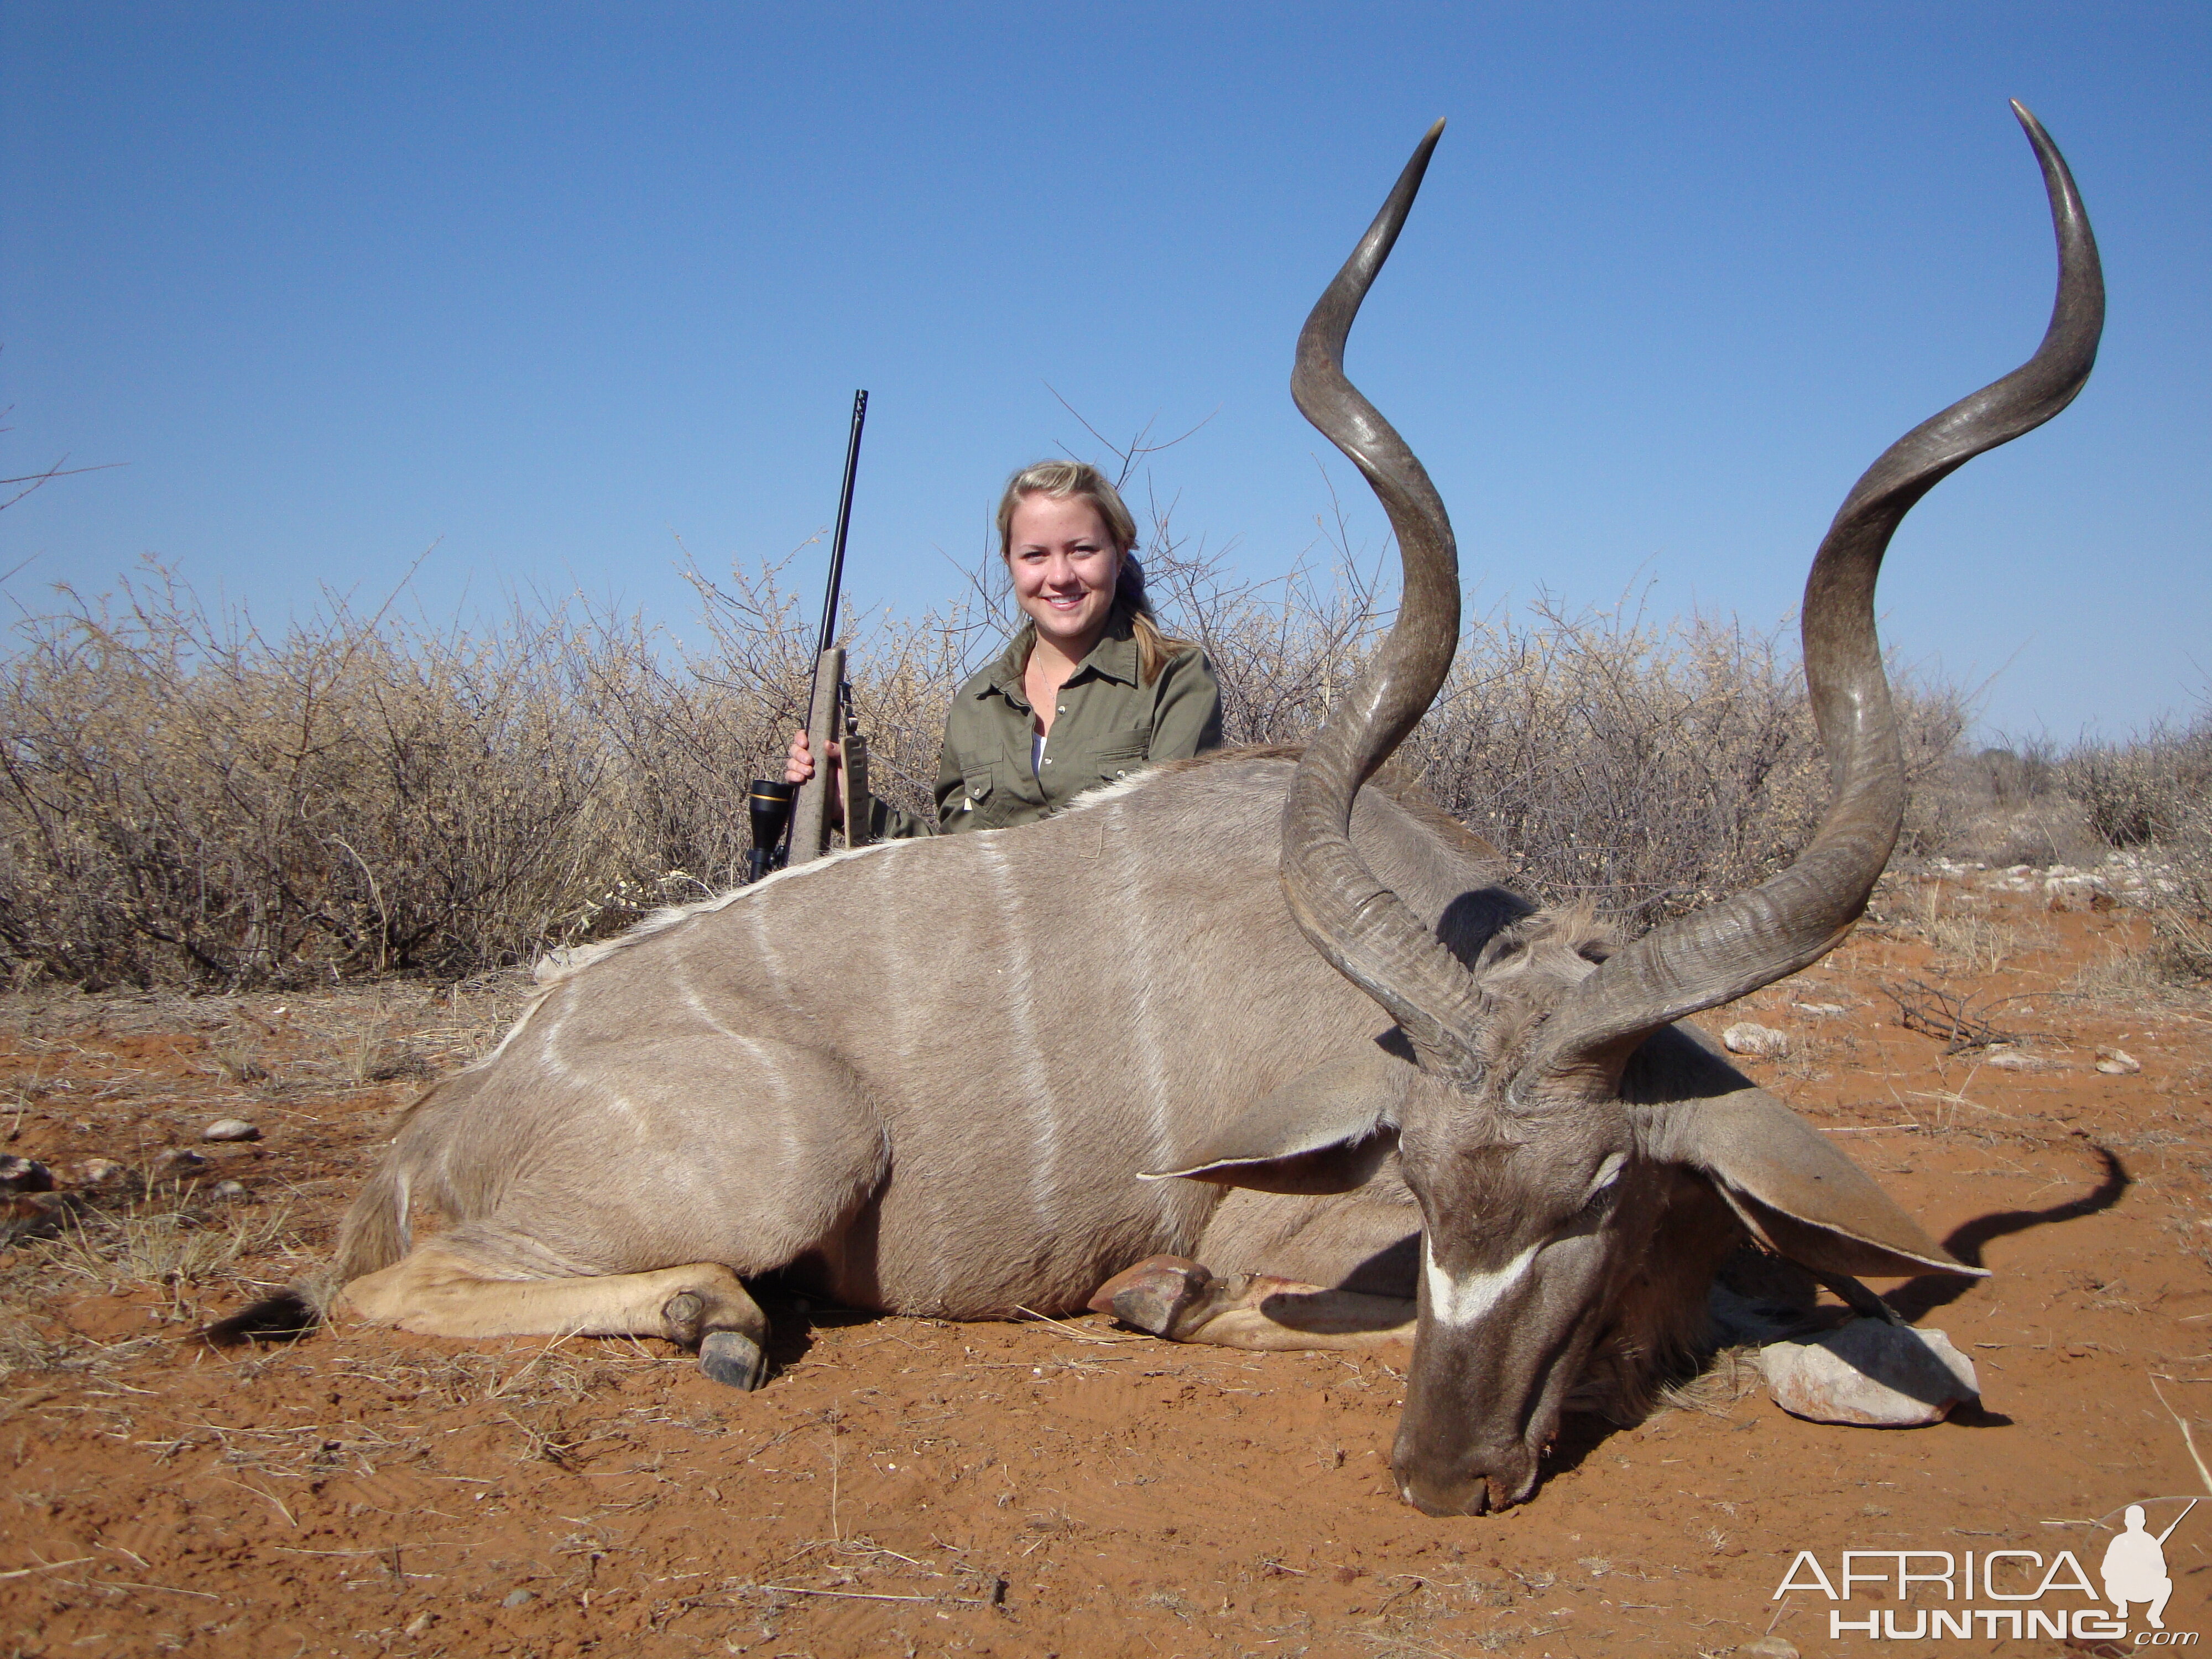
x=1888 y=1376
x=97 y=1172
x=1768 y=1647
x=2117 y=1063
x=2011 y=1060
x=230 y=1191
x=1824 y=1010
x=178 y=1160
x=231 y=1129
x=1746 y=1038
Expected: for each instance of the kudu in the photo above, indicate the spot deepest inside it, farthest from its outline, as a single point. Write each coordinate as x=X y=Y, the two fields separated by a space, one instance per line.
x=1037 y=1056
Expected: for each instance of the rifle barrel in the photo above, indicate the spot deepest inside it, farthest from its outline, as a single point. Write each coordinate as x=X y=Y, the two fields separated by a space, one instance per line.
x=827 y=637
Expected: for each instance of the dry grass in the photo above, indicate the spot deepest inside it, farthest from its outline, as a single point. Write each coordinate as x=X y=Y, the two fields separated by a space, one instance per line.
x=188 y=799
x=167 y=1241
x=28 y=1349
x=1959 y=927
x=170 y=1248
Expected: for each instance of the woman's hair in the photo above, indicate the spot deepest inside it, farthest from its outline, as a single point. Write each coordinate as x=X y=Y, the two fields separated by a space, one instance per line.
x=1066 y=480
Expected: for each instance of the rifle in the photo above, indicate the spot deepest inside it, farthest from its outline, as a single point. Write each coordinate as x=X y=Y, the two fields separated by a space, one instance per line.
x=781 y=834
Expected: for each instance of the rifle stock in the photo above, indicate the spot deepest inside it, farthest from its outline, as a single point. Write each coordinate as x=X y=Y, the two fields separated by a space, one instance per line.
x=810 y=818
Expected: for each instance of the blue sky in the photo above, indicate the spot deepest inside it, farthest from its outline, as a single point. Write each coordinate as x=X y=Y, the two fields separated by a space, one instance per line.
x=551 y=287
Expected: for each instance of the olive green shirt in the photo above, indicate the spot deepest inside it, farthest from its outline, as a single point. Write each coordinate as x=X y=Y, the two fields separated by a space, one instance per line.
x=1107 y=723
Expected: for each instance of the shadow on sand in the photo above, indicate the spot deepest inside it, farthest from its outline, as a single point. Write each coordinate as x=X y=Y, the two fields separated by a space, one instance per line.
x=1921 y=1296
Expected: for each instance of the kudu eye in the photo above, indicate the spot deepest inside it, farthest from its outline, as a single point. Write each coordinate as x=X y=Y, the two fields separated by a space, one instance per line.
x=1604 y=1188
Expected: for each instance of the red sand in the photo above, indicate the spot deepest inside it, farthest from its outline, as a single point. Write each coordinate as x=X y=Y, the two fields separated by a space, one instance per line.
x=905 y=1486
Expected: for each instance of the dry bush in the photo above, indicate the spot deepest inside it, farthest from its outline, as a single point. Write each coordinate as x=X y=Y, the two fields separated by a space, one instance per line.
x=2004 y=805
x=2184 y=928
x=2181 y=907
x=186 y=798
x=1650 y=766
x=2144 y=789
x=2154 y=791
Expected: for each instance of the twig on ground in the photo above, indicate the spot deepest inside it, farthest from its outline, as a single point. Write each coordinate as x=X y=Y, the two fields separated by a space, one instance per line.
x=1937 y=1013
x=2187 y=1438
x=49 y=1566
x=1074 y=1330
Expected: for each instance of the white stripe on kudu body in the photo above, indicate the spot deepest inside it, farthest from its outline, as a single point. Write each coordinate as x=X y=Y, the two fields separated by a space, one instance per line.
x=1144 y=1015
x=1464 y=1300
x=1021 y=1011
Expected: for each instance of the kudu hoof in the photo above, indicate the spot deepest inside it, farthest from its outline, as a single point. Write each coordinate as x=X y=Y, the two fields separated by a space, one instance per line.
x=1161 y=1294
x=733 y=1359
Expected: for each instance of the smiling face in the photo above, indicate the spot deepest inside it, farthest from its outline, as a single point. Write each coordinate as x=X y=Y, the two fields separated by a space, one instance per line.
x=1065 y=564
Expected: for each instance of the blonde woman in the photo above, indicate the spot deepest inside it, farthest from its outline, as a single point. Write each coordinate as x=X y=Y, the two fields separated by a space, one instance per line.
x=1087 y=691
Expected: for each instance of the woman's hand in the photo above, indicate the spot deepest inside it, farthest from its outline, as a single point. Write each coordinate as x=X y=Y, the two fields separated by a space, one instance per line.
x=798 y=768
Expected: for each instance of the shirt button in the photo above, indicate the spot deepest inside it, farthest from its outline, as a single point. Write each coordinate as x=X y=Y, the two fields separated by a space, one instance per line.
x=1063 y=709
x=1048 y=760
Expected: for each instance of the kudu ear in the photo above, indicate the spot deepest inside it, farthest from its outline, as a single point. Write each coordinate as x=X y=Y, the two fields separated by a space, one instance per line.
x=1325 y=1131
x=1786 y=1181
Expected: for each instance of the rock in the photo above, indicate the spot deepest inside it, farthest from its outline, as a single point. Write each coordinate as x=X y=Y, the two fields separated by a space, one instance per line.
x=519 y=1598
x=2117 y=1063
x=1883 y=1375
x=178 y=1163
x=421 y=1621
x=25 y=1175
x=1746 y=1038
x=230 y=1191
x=31 y=1215
x=96 y=1173
x=231 y=1129
x=1824 y=1010
x=1768 y=1647
x=2011 y=1060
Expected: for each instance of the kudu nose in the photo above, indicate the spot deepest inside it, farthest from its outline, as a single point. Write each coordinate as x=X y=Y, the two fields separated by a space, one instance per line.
x=1490 y=1480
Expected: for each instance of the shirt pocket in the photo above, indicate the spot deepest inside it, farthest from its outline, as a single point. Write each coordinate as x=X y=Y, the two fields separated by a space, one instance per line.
x=991 y=804
x=1115 y=757
x=975 y=788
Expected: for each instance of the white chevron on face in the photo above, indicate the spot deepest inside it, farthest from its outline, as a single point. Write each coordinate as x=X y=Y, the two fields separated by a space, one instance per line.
x=1462 y=1300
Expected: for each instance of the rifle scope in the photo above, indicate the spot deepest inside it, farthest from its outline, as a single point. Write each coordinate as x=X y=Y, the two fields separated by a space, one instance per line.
x=769 y=805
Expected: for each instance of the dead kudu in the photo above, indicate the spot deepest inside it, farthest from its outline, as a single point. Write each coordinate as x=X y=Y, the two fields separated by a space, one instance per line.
x=1042 y=1057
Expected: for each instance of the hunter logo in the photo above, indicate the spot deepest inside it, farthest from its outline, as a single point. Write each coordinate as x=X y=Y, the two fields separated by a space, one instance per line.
x=2000 y=1594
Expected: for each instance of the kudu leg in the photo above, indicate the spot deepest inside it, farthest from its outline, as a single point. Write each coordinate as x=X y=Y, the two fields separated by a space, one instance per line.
x=435 y=1292
x=1174 y=1297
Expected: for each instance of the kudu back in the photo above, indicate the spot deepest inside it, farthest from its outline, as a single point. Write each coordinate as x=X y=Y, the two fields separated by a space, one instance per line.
x=1279 y=1016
